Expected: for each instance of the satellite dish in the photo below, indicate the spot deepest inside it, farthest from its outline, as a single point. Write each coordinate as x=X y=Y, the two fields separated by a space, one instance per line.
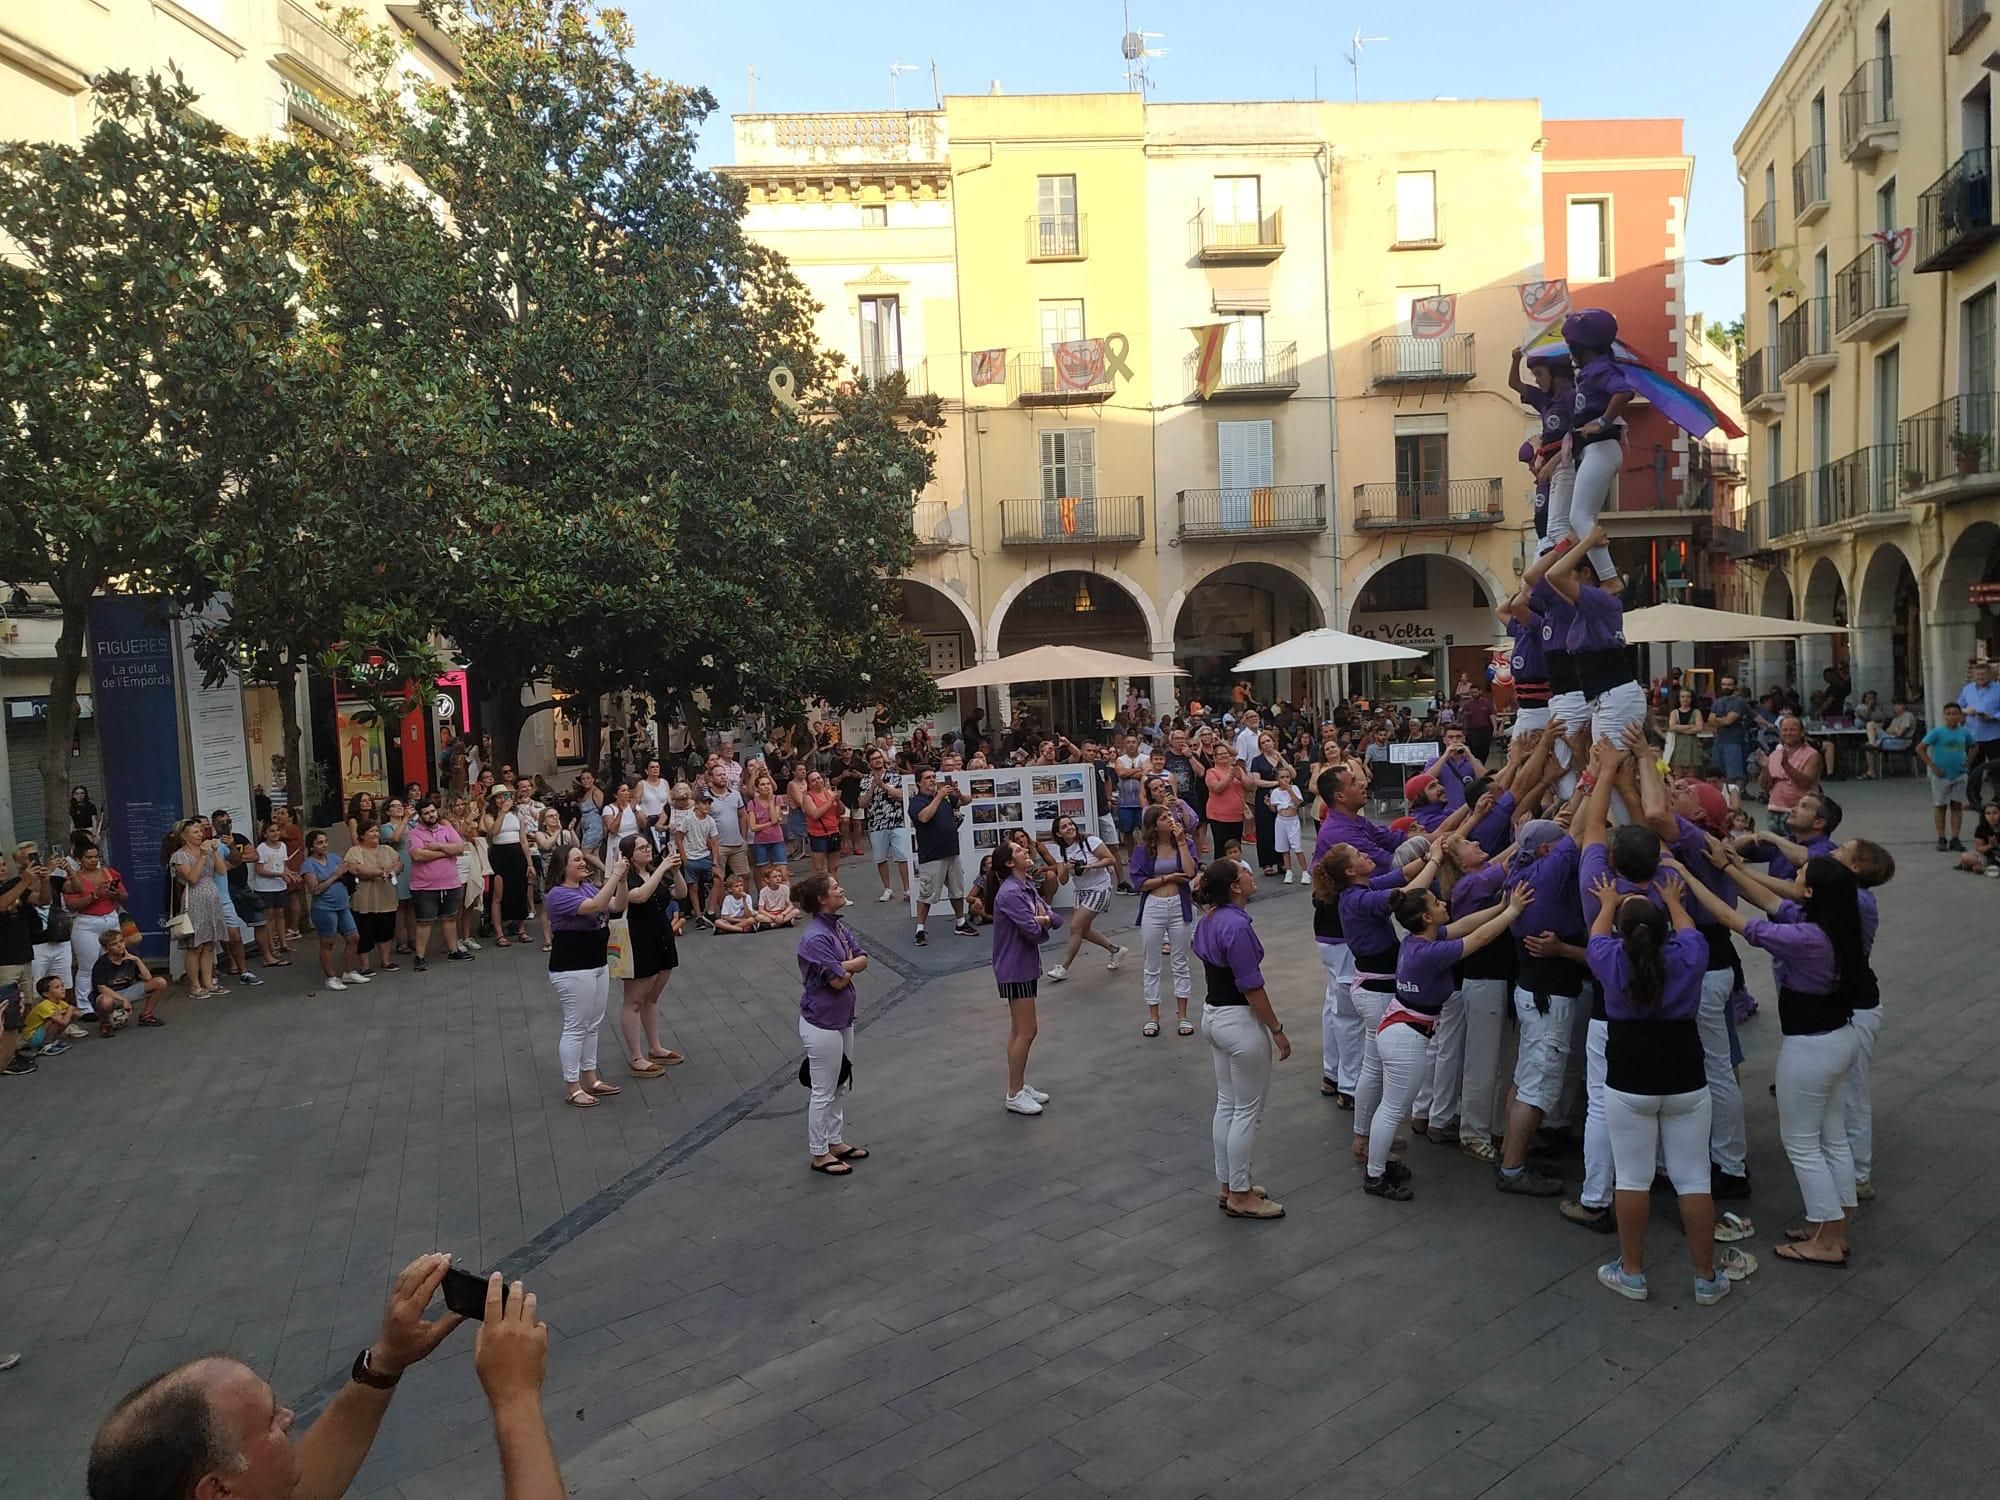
x=1133 y=45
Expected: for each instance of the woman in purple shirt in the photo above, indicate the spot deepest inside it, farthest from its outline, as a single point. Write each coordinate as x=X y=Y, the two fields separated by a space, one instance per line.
x=1655 y=1079
x=830 y=955
x=1552 y=398
x=578 y=915
x=1596 y=435
x=1242 y=1028
x=1598 y=652
x=1021 y=919
x=1821 y=970
x=1424 y=981
x=1164 y=865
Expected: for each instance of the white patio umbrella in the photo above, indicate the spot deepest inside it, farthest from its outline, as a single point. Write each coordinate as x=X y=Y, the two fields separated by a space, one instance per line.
x=1055 y=664
x=1325 y=648
x=1688 y=624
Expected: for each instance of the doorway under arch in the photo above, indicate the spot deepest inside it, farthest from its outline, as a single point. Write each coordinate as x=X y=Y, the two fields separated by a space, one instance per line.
x=1825 y=604
x=1073 y=608
x=1773 y=663
x=1236 y=610
x=1963 y=629
x=945 y=625
x=1888 y=637
x=1432 y=602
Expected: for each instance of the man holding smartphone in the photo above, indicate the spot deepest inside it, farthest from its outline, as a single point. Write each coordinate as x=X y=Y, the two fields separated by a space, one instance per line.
x=215 y=1427
x=939 y=874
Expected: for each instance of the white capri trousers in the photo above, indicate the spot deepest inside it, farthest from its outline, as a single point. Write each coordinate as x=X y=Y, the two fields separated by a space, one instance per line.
x=1340 y=1039
x=1573 y=509
x=1437 y=1090
x=1860 y=1108
x=1812 y=1118
x=1529 y=721
x=1483 y=1002
x=1640 y=1125
x=1241 y=1049
x=1405 y=1063
x=86 y=937
x=826 y=1117
x=1163 y=922
x=1369 y=1005
x=1597 y=1150
x=60 y=959
x=1728 y=1140
x=1538 y=1067
x=1614 y=709
x=584 y=994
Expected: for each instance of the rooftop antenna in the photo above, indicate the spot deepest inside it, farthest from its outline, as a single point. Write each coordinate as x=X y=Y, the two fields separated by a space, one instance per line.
x=937 y=89
x=1354 y=58
x=896 y=68
x=1133 y=46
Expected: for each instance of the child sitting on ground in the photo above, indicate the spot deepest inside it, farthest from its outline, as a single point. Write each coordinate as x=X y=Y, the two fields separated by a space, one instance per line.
x=774 y=902
x=737 y=915
x=42 y=1027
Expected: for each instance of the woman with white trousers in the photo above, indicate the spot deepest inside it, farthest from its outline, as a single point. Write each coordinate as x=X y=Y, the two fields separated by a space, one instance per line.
x=1340 y=1039
x=1163 y=868
x=830 y=955
x=1465 y=1079
x=579 y=967
x=1242 y=1029
x=1818 y=960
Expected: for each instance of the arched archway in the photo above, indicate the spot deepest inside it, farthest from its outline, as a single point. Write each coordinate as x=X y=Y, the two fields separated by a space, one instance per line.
x=1825 y=603
x=1236 y=609
x=1155 y=628
x=944 y=622
x=1080 y=607
x=1773 y=663
x=1434 y=602
x=1959 y=626
x=1888 y=637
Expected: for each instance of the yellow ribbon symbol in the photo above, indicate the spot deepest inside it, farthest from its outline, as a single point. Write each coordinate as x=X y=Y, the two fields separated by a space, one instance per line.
x=785 y=388
x=1116 y=346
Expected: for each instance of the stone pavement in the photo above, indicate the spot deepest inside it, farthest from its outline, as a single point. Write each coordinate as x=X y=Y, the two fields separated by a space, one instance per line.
x=992 y=1306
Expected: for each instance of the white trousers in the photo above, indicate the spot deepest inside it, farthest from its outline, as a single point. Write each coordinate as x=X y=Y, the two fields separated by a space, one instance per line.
x=1728 y=1141
x=1437 y=1093
x=826 y=1117
x=1860 y=1107
x=1164 y=923
x=1529 y=721
x=1572 y=1109
x=584 y=994
x=1538 y=1067
x=1639 y=1125
x=86 y=936
x=1369 y=1005
x=1562 y=492
x=1574 y=513
x=56 y=958
x=1340 y=1040
x=1241 y=1050
x=1597 y=1159
x=1404 y=1061
x=1812 y=1118
x=1484 y=1002
x=1612 y=710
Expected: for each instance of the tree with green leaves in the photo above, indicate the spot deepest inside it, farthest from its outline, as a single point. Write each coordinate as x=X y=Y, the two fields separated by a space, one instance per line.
x=144 y=320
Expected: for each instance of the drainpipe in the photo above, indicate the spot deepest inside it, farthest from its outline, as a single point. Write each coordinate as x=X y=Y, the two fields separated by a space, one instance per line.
x=1323 y=159
x=967 y=417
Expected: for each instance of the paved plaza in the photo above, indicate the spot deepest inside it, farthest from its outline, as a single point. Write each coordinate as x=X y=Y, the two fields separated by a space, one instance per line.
x=992 y=1306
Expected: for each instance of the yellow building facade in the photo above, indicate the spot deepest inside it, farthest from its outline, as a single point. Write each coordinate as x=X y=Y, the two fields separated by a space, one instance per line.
x=1870 y=372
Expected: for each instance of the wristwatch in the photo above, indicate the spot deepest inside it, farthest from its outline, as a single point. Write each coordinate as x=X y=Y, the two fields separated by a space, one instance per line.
x=364 y=1374
x=1278 y=1030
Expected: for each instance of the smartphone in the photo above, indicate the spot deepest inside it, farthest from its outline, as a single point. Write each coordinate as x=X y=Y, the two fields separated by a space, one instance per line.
x=465 y=1293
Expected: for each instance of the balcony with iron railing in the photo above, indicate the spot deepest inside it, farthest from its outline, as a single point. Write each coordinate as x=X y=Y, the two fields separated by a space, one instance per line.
x=1964 y=20
x=1955 y=213
x=1868 y=296
x=1248 y=514
x=1764 y=229
x=1215 y=243
x=1868 y=124
x=1425 y=504
x=1273 y=373
x=1758 y=386
x=1785 y=509
x=1809 y=199
x=1058 y=237
x=1951 y=451
x=1405 y=359
x=1867 y=482
x=1739 y=536
x=1073 y=521
x=876 y=369
x=1805 y=341
x=932 y=528
x=1037 y=380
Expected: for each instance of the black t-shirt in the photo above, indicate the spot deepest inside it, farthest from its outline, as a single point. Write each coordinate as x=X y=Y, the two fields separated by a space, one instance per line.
x=239 y=874
x=106 y=974
x=17 y=927
x=937 y=838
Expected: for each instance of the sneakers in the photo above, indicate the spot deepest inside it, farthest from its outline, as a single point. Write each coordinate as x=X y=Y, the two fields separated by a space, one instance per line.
x=1478 y=1147
x=1024 y=1103
x=421 y=965
x=887 y=895
x=1118 y=953
x=55 y=1049
x=1708 y=1293
x=1942 y=843
x=1383 y=1187
x=1613 y=1274
x=923 y=938
x=1727 y=1186
x=1034 y=1093
x=1864 y=1192
x=1288 y=878
x=1056 y=975
x=1528 y=1183
x=246 y=977
x=355 y=976
x=1956 y=846
x=473 y=943
x=1442 y=1135
x=967 y=928
x=1578 y=1212
x=456 y=956
x=74 y=1031
x=336 y=984
x=18 y=1066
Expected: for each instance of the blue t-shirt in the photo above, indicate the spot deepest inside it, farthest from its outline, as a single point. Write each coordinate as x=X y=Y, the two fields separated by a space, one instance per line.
x=1948 y=749
x=334 y=897
x=1985 y=700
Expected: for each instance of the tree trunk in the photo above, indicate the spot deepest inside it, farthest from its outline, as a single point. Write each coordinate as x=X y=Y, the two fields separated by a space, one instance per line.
x=502 y=717
x=287 y=686
x=61 y=728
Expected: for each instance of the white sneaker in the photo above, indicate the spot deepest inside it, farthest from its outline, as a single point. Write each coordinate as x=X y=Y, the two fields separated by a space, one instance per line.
x=473 y=944
x=1024 y=1103
x=1288 y=877
x=1117 y=956
x=887 y=895
x=1056 y=975
x=335 y=984
x=1034 y=1093
x=355 y=976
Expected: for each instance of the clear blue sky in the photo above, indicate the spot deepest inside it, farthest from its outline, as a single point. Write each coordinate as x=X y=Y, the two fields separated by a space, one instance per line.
x=1705 y=61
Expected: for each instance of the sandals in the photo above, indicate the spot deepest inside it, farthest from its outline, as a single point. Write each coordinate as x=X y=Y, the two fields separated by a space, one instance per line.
x=1151 y=1028
x=645 y=1068
x=1735 y=1264
x=605 y=1090
x=1265 y=1209
x=834 y=1168
x=1790 y=1251
x=151 y=1021
x=1256 y=1191
x=581 y=1098
x=1186 y=1027
x=1730 y=1227
x=503 y=942
x=850 y=1153
x=668 y=1056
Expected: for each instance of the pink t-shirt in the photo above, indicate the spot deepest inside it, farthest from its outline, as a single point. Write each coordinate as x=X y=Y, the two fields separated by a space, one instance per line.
x=431 y=874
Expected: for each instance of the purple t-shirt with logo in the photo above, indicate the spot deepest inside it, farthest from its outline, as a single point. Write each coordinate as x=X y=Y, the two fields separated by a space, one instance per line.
x=1424 y=978
x=1528 y=663
x=1600 y=621
x=1553 y=407
x=1596 y=383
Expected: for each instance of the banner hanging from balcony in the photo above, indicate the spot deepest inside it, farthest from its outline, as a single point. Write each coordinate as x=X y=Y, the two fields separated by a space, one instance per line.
x=989 y=366
x=1208 y=342
x=1896 y=241
x=1544 y=301
x=1079 y=364
x=1433 y=317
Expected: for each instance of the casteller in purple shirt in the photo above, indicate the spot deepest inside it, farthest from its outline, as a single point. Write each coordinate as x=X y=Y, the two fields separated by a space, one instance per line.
x=1371 y=838
x=1424 y=978
x=1227 y=944
x=1599 y=624
x=1686 y=957
x=1596 y=383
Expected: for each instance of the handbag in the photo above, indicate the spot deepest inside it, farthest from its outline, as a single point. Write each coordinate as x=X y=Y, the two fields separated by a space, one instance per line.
x=846 y=1079
x=618 y=949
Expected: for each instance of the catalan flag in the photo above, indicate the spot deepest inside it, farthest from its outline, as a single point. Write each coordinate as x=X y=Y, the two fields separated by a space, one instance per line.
x=1208 y=343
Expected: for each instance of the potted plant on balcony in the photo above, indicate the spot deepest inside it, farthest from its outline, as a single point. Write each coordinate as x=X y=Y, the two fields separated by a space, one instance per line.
x=1913 y=480
x=1968 y=448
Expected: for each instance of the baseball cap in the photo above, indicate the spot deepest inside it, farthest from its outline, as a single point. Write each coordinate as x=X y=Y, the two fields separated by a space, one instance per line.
x=1417 y=785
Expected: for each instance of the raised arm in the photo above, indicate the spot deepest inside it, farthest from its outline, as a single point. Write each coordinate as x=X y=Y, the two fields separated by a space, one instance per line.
x=1605 y=757
x=1495 y=920
x=1722 y=915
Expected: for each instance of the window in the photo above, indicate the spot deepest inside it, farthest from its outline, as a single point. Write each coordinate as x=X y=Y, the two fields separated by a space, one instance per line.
x=1243 y=350
x=874 y=216
x=1774 y=456
x=1887 y=292
x=1888 y=395
x=1237 y=202
x=1415 y=356
x=1770 y=182
x=1771 y=321
x=1976 y=373
x=1589 y=239
x=1062 y=323
x=1818 y=120
x=1422 y=475
x=1056 y=229
x=1886 y=68
x=1069 y=464
x=881 y=337
x=1975 y=118
x=1242 y=467
x=1403 y=585
x=1416 y=208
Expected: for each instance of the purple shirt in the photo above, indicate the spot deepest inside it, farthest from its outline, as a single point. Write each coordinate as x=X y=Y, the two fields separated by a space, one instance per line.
x=1871 y=917
x=1596 y=861
x=1553 y=406
x=1454 y=773
x=1429 y=815
x=1478 y=891
x=562 y=903
x=1529 y=664
x=1557 y=906
x=1364 y=917
x=1596 y=383
x=1801 y=956
x=1226 y=941
x=823 y=946
x=1424 y=979
x=1017 y=935
x=1690 y=847
x=1782 y=868
x=1686 y=958
x=1339 y=827
x=1490 y=832
x=1599 y=621
x=1143 y=869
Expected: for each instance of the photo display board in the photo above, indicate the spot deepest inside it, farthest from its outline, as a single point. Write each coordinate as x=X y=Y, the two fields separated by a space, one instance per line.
x=997 y=802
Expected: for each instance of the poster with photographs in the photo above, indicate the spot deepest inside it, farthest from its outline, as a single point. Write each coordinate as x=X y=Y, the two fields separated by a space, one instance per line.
x=993 y=804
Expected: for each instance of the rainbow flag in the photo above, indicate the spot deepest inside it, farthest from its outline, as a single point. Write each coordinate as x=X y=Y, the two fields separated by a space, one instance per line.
x=1681 y=404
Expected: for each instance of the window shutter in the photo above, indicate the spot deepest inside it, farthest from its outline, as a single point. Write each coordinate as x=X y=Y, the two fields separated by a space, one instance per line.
x=1416 y=207
x=1082 y=463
